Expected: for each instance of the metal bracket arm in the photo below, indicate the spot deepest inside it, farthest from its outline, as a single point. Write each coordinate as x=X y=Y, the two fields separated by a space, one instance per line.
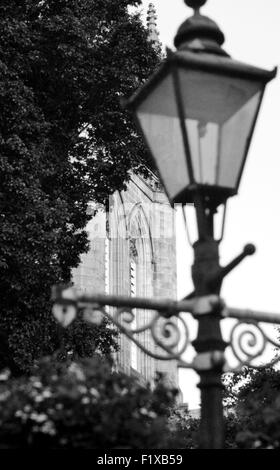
x=216 y=279
x=251 y=315
x=248 y=250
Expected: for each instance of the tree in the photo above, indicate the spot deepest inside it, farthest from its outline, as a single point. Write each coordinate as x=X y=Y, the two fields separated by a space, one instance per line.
x=64 y=140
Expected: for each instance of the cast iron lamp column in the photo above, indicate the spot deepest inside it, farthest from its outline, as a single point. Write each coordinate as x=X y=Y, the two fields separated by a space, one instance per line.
x=209 y=338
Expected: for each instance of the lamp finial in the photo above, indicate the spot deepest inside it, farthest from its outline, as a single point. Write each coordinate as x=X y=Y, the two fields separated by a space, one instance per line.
x=195 y=4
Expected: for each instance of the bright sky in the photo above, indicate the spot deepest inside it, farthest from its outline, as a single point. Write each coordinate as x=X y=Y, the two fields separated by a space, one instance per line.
x=252 y=30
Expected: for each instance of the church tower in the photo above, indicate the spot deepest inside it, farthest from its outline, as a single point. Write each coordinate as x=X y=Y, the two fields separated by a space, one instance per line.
x=152 y=26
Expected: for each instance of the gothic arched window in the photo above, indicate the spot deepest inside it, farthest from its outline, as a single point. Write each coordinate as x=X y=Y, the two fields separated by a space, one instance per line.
x=133 y=293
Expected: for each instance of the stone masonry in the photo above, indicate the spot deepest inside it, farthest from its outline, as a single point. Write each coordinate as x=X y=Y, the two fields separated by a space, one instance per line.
x=132 y=252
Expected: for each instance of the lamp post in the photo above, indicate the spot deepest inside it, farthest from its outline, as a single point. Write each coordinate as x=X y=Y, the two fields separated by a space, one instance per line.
x=197 y=114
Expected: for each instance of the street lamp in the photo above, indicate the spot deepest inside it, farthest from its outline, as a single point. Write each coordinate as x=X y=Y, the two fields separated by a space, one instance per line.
x=197 y=114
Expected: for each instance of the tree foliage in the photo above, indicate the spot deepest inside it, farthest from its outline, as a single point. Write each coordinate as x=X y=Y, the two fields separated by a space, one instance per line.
x=64 y=140
x=252 y=412
x=254 y=416
x=183 y=428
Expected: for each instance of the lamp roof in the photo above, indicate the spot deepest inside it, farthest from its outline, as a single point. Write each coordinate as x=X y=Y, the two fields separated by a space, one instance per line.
x=205 y=62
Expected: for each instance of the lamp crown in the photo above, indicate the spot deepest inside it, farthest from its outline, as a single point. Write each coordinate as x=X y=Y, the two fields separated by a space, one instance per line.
x=199 y=32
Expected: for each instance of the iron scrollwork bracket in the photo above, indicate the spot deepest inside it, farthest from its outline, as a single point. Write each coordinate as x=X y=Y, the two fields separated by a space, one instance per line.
x=166 y=325
x=249 y=341
x=168 y=330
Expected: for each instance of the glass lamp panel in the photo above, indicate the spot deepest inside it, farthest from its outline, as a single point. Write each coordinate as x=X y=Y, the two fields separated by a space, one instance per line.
x=158 y=117
x=234 y=137
x=219 y=113
x=203 y=144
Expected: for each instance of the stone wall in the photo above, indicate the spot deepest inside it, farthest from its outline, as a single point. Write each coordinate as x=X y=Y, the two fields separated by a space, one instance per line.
x=139 y=227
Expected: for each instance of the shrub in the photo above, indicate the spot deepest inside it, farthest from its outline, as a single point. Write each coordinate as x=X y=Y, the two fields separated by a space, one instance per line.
x=254 y=422
x=82 y=404
x=183 y=428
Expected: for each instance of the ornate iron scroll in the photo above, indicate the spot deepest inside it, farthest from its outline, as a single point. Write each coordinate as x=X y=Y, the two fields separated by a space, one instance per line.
x=248 y=339
x=166 y=325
